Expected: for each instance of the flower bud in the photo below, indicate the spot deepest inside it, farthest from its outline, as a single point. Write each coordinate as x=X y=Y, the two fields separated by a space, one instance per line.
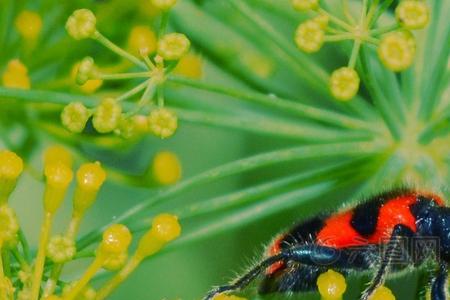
x=412 y=14
x=107 y=115
x=115 y=262
x=331 y=285
x=90 y=178
x=142 y=40
x=16 y=75
x=9 y=226
x=81 y=24
x=166 y=168
x=344 y=83
x=28 y=24
x=86 y=70
x=61 y=249
x=302 y=5
x=310 y=36
x=57 y=154
x=190 y=66
x=116 y=239
x=173 y=46
x=11 y=166
x=75 y=116
x=397 y=50
x=58 y=177
x=162 y=122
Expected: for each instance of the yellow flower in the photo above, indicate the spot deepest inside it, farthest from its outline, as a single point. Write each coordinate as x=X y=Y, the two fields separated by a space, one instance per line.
x=397 y=50
x=331 y=285
x=344 y=83
x=116 y=239
x=90 y=177
x=166 y=168
x=142 y=40
x=310 y=36
x=382 y=293
x=412 y=14
x=162 y=122
x=55 y=154
x=28 y=24
x=90 y=86
x=86 y=70
x=58 y=177
x=164 y=4
x=81 y=24
x=16 y=75
x=190 y=66
x=165 y=228
x=107 y=115
x=173 y=46
x=9 y=226
x=11 y=165
x=302 y=5
x=6 y=288
x=61 y=249
x=75 y=116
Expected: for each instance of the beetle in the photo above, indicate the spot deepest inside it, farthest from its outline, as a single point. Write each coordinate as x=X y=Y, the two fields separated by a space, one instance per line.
x=372 y=236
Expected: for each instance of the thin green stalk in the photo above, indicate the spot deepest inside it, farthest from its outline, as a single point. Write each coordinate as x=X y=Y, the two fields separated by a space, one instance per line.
x=339 y=37
x=240 y=166
x=119 y=51
x=382 y=30
x=272 y=126
x=122 y=76
x=133 y=91
x=336 y=20
x=163 y=24
x=381 y=102
x=297 y=108
x=354 y=55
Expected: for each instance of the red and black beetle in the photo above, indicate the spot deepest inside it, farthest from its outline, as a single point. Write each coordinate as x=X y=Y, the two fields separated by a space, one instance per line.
x=367 y=237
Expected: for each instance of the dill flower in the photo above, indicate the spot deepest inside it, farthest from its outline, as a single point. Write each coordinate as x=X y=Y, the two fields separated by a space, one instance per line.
x=61 y=249
x=86 y=70
x=16 y=75
x=397 y=50
x=90 y=177
x=166 y=168
x=412 y=14
x=173 y=46
x=331 y=285
x=107 y=115
x=190 y=66
x=164 y=4
x=57 y=153
x=116 y=239
x=142 y=40
x=9 y=226
x=162 y=122
x=11 y=166
x=302 y=5
x=75 y=116
x=382 y=293
x=344 y=83
x=58 y=176
x=81 y=24
x=90 y=86
x=309 y=36
x=28 y=24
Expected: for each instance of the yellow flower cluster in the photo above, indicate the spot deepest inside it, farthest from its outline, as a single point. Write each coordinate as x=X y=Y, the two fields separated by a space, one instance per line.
x=158 y=57
x=395 y=44
x=111 y=253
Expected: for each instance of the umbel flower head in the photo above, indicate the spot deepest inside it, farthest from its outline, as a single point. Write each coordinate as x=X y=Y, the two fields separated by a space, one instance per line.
x=107 y=115
x=16 y=75
x=412 y=14
x=75 y=116
x=81 y=24
x=309 y=36
x=111 y=253
x=344 y=83
x=397 y=50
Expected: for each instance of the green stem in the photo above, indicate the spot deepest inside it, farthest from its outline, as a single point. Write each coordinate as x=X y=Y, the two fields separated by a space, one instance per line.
x=125 y=76
x=354 y=55
x=339 y=37
x=237 y=167
x=119 y=51
x=329 y=117
x=133 y=91
x=163 y=25
x=336 y=20
x=384 y=29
